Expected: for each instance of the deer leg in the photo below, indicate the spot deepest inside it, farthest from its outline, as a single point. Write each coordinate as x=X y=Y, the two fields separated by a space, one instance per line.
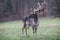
x=33 y=29
x=26 y=30
x=36 y=29
x=23 y=28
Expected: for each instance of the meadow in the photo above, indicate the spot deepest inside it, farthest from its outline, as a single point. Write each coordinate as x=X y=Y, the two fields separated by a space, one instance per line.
x=48 y=29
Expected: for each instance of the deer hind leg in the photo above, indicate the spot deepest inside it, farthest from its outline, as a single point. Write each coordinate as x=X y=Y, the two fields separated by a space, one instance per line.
x=24 y=28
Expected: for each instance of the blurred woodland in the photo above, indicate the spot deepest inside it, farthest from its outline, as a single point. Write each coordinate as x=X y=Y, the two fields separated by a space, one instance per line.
x=16 y=9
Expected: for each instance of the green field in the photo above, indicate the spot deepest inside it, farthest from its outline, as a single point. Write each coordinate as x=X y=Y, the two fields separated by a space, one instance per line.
x=49 y=29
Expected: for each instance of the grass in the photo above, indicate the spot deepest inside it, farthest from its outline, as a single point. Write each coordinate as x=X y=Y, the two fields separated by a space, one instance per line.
x=49 y=29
